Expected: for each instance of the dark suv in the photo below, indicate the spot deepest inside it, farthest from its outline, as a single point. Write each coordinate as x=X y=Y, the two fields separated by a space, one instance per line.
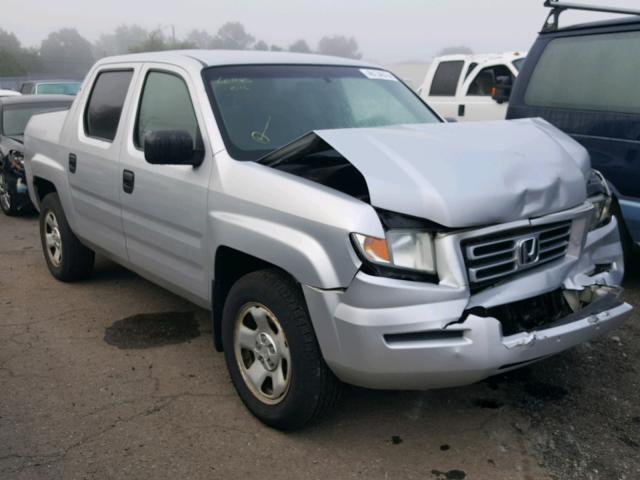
x=584 y=80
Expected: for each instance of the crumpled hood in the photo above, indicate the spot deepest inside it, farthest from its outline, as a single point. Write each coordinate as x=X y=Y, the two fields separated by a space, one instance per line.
x=467 y=174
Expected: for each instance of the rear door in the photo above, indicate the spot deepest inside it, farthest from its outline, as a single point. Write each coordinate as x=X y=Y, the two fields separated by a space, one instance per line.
x=478 y=87
x=164 y=208
x=92 y=158
x=442 y=93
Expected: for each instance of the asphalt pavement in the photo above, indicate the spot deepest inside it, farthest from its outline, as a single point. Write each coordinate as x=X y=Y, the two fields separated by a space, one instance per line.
x=116 y=378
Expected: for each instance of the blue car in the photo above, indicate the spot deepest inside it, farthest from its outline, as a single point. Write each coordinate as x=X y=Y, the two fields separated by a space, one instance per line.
x=584 y=80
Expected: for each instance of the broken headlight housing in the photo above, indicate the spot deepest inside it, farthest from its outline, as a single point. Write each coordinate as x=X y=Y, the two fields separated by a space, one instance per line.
x=600 y=196
x=404 y=254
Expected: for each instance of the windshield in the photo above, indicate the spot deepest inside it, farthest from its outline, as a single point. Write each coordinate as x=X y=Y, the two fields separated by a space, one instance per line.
x=519 y=63
x=58 y=88
x=263 y=107
x=16 y=117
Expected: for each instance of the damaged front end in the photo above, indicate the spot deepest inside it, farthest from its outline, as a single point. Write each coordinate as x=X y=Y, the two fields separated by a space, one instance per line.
x=499 y=249
x=526 y=321
x=489 y=310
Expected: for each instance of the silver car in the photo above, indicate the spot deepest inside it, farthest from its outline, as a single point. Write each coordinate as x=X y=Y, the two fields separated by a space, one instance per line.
x=337 y=229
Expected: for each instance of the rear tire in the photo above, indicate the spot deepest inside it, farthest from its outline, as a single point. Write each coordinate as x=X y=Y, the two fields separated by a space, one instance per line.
x=67 y=258
x=272 y=353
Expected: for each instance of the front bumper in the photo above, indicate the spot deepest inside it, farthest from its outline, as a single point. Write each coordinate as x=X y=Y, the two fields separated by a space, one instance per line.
x=392 y=334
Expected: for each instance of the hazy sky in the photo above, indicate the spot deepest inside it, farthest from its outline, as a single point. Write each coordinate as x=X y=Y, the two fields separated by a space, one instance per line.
x=388 y=31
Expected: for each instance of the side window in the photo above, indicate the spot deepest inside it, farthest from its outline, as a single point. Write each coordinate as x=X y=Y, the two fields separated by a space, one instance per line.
x=485 y=81
x=590 y=72
x=445 y=80
x=165 y=105
x=102 y=115
x=26 y=88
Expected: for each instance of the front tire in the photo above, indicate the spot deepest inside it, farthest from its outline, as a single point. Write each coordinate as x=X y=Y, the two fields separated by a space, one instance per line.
x=67 y=258
x=272 y=353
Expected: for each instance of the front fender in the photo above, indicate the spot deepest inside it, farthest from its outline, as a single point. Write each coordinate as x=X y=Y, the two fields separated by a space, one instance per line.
x=326 y=262
x=293 y=223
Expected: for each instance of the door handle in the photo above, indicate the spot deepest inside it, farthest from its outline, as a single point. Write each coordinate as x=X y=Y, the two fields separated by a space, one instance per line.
x=461 y=110
x=73 y=161
x=128 y=181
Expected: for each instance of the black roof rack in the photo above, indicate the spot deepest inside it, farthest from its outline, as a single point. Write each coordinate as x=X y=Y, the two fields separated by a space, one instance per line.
x=557 y=7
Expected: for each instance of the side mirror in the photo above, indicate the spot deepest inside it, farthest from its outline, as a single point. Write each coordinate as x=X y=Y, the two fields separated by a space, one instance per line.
x=501 y=93
x=450 y=119
x=171 y=147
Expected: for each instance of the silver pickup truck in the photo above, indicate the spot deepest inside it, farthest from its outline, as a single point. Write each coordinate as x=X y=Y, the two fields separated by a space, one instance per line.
x=336 y=228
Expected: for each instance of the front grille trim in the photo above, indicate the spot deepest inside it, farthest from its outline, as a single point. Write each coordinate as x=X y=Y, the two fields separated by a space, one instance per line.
x=485 y=265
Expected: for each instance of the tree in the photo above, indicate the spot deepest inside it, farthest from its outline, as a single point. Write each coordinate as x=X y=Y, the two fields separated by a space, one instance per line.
x=156 y=41
x=454 y=50
x=300 y=46
x=66 y=52
x=122 y=40
x=232 y=36
x=14 y=59
x=339 y=46
x=10 y=66
x=9 y=42
x=276 y=48
x=200 y=39
x=261 y=45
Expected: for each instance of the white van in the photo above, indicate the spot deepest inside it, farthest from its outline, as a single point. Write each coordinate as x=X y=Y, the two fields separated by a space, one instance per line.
x=471 y=87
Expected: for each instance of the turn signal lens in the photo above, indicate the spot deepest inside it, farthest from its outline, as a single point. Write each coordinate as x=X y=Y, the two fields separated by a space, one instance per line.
x=375 y=249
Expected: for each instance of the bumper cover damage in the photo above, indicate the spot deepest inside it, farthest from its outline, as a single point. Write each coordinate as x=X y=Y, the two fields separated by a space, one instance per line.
x=392 y=334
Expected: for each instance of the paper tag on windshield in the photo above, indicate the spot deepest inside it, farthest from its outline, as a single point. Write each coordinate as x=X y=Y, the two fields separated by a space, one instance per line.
x=378 y=74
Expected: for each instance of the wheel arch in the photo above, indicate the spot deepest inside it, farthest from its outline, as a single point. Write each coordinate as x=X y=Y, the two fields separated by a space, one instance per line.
x=230 y=265
x=41 y=188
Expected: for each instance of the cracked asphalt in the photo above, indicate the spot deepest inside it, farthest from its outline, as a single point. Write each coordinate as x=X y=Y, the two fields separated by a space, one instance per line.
x=115 y=378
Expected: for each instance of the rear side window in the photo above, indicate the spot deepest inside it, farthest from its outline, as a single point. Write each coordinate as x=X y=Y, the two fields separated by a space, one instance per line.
x=165 y=105
x=597 y=72
x=102 y=115
x=445 y=80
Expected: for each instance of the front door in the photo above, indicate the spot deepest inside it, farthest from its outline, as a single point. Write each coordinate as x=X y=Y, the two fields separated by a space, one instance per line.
x=164 y=207
x=477 y=89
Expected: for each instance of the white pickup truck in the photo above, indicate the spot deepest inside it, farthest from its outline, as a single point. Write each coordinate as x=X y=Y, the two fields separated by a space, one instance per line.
x=471 y=87
x=337 y=229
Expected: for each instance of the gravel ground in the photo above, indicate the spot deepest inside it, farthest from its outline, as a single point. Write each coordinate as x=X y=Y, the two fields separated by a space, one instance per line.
x=116 y=378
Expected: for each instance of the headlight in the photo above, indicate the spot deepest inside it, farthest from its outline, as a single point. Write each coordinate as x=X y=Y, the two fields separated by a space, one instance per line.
x=600 y=195
x=403 y=252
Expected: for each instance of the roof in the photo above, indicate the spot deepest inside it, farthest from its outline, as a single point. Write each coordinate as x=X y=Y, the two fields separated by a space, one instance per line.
x=37 y=82
x=616 y=22
x=483 y=57
x=210 y=58
x=35 y=99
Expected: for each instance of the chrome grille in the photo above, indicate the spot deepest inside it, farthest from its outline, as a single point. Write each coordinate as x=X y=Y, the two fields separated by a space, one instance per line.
x=493 y=257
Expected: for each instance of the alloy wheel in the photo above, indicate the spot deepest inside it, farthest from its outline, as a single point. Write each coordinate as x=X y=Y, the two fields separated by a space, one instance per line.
x=262 y=353
x=52 y=237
